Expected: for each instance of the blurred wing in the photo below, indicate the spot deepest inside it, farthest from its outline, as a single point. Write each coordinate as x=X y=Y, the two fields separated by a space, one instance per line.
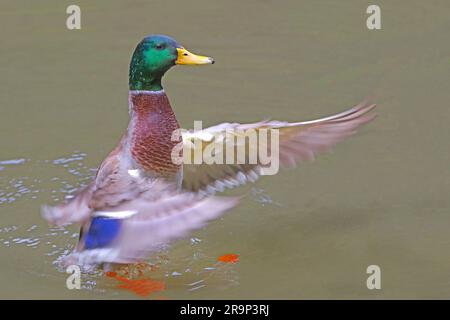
x=75 y=209
x=298 y=142
x=146 y=223
x=112 y=185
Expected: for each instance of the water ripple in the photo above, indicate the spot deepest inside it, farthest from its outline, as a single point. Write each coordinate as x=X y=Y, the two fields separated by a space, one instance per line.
x=14 y=187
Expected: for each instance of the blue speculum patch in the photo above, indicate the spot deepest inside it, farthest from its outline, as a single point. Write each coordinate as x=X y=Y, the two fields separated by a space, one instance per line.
x=102 y=232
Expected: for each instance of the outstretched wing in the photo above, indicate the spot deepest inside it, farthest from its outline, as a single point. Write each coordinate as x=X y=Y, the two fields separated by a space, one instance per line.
x=298 y=142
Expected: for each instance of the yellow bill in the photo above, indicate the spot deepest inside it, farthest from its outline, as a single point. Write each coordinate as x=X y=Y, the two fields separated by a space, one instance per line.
x=188 y=58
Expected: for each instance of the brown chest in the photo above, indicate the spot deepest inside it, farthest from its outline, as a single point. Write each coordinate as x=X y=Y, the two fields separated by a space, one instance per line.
x=153 y=123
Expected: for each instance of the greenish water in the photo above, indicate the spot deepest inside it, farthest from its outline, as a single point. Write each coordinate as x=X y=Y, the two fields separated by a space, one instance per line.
x=380 y=198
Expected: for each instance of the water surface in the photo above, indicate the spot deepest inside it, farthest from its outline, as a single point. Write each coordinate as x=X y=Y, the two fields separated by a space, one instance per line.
x=380 y=198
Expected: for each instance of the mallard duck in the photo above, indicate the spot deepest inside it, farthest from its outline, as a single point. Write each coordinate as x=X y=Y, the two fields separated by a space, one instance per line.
x=140 y=198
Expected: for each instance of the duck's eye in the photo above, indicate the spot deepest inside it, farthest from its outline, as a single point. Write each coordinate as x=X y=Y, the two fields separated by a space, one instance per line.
x=160 y=46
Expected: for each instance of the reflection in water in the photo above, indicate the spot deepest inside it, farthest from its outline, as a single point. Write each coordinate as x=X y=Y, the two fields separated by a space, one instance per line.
x=142 y=287
x=229 y=258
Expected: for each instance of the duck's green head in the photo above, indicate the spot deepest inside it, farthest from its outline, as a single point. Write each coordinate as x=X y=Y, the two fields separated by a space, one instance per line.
x=153 y=56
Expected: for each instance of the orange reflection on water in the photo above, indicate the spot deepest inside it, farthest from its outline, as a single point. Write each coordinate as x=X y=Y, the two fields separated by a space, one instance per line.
x=141 y=287
x=229 y=258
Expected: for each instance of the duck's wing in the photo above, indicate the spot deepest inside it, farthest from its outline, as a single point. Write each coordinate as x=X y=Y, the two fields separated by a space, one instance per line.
x=75 y=209
x=298 y=142
x=130 y=231
x=112 y=185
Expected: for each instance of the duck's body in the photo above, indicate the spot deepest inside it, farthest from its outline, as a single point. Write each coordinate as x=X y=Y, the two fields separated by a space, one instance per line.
x=136 y=201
